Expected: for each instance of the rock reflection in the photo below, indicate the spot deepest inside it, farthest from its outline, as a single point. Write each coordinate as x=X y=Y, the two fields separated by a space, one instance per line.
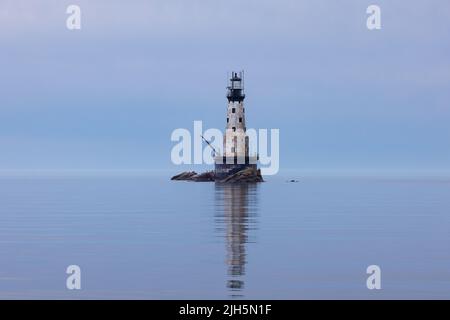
x=236 y=213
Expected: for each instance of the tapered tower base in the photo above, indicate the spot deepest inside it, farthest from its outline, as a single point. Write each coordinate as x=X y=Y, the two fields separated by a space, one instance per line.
x=227 y=166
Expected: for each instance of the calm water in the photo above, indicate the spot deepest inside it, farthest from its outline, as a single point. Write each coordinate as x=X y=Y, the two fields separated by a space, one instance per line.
x=146 y=237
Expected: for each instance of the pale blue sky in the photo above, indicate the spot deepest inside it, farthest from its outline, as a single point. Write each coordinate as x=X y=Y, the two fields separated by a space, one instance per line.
x=108 y=96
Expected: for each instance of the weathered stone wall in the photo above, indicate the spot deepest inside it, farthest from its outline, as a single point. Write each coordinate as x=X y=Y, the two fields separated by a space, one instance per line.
x=235 y=142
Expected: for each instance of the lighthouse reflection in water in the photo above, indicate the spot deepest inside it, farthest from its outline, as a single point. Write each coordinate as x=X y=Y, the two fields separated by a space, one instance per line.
x=236 y=220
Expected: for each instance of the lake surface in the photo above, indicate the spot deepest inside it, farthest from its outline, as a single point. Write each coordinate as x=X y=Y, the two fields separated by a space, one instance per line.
x=150 y=238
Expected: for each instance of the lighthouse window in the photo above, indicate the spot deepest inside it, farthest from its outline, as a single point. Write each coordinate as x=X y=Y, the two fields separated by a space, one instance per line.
x=228 y=120
x=240 y=119
x=233 y=110
x=234 y=128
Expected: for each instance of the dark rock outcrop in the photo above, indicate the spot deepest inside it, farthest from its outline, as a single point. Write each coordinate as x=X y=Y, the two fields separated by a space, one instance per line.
x=205 y=177
x=244 y=176
x=185 y=176
x=194 y=176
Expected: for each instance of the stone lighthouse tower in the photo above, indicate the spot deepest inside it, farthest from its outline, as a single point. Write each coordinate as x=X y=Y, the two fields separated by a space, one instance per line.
x=235 y=142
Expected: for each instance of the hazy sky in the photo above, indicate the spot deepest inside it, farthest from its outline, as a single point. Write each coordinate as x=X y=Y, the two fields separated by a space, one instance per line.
x=109 y=95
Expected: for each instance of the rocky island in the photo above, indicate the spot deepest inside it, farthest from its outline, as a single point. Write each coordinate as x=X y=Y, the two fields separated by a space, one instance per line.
x=243 y=176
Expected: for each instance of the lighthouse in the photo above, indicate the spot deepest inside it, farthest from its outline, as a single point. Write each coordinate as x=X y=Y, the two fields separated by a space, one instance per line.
x=235 y=155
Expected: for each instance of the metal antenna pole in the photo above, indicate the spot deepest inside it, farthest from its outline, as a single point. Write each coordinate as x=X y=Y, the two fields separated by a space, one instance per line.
x=214 y=150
